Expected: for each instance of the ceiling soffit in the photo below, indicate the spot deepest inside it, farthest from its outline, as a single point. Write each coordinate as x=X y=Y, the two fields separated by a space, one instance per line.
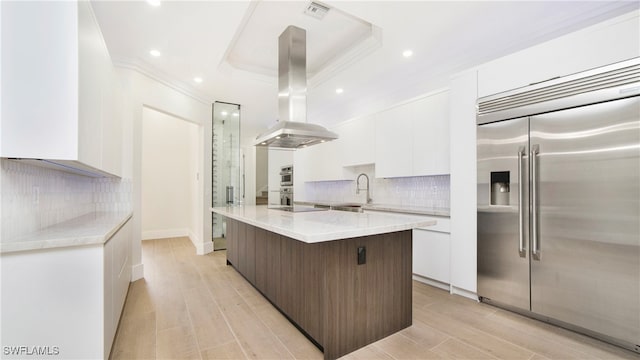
x=333 y=43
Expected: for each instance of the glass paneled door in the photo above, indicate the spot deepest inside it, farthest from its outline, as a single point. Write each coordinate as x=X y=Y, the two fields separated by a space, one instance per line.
x=226 y=167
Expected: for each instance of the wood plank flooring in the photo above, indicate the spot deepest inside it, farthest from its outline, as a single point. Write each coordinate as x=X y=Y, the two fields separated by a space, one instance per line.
x=196 y=307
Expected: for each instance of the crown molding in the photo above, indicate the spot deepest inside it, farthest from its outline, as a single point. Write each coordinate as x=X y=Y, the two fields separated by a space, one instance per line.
x=164 y=79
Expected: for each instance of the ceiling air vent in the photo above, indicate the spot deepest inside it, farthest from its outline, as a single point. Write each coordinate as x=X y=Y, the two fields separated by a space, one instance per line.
x=316 y=10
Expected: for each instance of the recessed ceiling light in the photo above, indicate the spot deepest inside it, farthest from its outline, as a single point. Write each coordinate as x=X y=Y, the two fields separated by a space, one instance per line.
x=339 y=90
x=277 y=137
x=155 y=53
x=264 y=143
x=153 y=2
x=407 y=53
x=197 y=79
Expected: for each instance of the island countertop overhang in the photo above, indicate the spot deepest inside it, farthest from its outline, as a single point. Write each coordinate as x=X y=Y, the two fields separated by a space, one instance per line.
x=319 y=226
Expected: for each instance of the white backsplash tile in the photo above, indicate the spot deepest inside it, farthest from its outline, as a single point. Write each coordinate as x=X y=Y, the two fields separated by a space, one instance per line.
x=35 y=197
x=419 y=191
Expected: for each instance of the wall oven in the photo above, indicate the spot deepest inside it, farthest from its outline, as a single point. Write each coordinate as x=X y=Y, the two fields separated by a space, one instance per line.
x=286 y=196
x=286 y=175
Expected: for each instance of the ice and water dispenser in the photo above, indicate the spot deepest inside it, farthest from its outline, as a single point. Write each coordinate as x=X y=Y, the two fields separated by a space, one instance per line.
x=500 y=188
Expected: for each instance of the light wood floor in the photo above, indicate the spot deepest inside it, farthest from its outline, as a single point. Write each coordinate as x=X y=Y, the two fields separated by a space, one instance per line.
x=196 y=307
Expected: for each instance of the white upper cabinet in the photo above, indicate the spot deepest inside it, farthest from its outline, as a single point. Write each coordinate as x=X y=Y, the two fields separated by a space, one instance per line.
x=413 y=139
x=431 y=135
x=616 y=39
x=357 y=141
x=320 y=162
x=394 y=141
x=58 y=87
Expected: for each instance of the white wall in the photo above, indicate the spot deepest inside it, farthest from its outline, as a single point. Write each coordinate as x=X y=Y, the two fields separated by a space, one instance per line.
x=169 y=170
x=139 y=92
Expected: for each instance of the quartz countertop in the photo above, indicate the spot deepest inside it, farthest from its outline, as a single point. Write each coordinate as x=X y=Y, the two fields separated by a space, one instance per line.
x=327 y=225
x=405 y=209
x=90 y=229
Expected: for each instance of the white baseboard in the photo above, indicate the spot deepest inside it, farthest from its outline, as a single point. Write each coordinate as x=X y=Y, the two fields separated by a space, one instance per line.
x=434 y=283
x=466 y=293
x=137 y=272
x=202 y=248
x=163 y=234
x=205 y=248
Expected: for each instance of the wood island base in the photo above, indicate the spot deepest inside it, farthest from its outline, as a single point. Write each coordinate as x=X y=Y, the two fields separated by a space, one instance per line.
x=322 y=289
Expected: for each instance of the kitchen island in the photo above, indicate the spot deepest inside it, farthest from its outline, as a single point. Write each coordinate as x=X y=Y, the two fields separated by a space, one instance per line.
x=343 y=278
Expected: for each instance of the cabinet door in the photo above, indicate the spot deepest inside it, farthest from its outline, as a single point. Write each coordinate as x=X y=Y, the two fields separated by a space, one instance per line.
x=39 y=80
x=261 y=259
x=110 y=326
x=394 y=142
x=272 y=288
x=431 y=135
x=241 y=247
x=117 y=276
x=250 y=254
x=431 y=255
x=91 y=85
x=121 y=268
x=232 y=241
x=112 y=114
x=357 y=140
x=322 y=162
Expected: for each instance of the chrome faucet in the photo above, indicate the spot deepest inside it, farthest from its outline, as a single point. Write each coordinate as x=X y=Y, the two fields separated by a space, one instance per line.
x=358 y=186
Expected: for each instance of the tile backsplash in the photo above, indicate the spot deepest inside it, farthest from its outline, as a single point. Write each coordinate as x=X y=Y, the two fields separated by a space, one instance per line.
x=419 y=191
x=35 y=197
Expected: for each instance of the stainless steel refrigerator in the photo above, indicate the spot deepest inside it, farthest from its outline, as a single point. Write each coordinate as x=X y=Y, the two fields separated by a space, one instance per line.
x=559 y=202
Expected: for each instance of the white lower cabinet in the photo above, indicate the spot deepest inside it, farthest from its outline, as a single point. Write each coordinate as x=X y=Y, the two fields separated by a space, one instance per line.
x=117 y=276
x=431 y=253
x=65 y=301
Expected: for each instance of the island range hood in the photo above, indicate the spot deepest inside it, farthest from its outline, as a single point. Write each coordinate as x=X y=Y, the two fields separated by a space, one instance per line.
x=292 y=130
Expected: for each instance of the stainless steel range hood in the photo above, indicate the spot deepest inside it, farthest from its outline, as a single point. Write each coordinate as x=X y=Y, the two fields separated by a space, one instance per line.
x=292 y=130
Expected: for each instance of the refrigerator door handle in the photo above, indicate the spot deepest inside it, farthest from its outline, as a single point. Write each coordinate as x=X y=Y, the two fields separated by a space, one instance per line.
x=521 y=247
x=535 y=149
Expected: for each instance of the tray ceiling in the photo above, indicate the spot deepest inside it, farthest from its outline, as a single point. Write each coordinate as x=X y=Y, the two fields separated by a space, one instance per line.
x=329 y=40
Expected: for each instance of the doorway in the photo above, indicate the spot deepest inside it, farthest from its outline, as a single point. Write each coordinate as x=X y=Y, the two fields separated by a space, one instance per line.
x=169 y=168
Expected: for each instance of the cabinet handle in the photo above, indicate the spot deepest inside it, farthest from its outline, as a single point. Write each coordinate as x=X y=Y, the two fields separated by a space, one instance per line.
x=535 y=149
x=521 y=247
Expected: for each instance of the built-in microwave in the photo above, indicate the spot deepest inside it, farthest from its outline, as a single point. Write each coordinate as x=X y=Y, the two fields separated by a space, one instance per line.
x=286 y=175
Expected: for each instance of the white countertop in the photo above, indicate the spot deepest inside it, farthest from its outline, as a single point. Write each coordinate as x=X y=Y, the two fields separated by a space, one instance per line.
x=319 y=226
x=91 y=229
